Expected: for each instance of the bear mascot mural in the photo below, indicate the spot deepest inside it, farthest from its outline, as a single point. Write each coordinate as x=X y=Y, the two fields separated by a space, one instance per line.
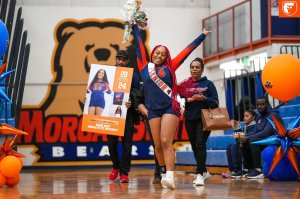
x=78 y=45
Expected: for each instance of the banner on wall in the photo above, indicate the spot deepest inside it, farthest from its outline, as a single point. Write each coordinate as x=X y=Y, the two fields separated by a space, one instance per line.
x=55 y=130
x=108 y=90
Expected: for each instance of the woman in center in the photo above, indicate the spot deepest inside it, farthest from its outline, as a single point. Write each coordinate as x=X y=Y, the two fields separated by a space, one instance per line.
x=161 y=106
x=205 y=96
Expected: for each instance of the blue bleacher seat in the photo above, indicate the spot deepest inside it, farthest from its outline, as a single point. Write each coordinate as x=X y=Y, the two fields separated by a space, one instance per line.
x=216 y=152
x=219 y=142
x=9 y=121
x=5 y=110
x=290 y=111
x=294 y=101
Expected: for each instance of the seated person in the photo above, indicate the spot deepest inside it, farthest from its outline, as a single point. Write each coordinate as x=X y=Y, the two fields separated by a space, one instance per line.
x=262 y=129
x=234 y=162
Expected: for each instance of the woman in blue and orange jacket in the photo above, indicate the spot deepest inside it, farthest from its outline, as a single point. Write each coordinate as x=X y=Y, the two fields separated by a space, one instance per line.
x=160 y=92
x=98 y=87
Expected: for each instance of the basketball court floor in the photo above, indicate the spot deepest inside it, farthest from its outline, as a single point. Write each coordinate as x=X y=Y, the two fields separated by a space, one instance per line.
x=90 y=183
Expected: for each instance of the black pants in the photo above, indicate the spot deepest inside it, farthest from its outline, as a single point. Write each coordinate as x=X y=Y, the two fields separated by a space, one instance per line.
x=198 y=139
x=244 y=155
x=254 y=157
x=125 y=162
x=157 y=167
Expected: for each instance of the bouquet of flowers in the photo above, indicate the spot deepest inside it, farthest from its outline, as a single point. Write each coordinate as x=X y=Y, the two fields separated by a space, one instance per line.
x=132 y=12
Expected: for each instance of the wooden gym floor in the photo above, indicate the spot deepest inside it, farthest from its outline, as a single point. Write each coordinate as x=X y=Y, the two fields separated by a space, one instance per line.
x=91 y=183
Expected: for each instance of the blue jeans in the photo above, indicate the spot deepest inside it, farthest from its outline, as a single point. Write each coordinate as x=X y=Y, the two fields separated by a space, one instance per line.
x=232 y=152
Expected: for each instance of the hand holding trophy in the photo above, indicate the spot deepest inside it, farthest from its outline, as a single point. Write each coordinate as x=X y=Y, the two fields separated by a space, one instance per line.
x=132 y=12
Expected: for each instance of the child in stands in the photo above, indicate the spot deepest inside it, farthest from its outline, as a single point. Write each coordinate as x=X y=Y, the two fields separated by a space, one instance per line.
x=233 y=155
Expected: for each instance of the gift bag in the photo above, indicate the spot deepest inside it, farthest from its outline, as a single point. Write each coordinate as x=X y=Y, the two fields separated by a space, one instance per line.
x=215 y=119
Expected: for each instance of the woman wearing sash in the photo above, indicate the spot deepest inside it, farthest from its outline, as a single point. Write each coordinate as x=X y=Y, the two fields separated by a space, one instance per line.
x=160 y=92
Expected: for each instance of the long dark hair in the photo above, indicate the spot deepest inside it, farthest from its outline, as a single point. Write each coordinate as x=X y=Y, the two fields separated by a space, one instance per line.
x=117 y=110
x=104 y=77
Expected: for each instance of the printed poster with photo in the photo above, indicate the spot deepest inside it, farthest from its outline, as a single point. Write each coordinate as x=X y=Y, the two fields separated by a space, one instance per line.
x=108 y=90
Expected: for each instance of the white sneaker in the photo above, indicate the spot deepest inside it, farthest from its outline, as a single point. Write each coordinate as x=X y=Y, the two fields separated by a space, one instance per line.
x=163 y=176
x=206 y=175
x=199 y=180
x=195 y=176
x=168 y=182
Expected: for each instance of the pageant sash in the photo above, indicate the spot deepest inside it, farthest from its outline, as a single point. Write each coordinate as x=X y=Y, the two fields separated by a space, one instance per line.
x=161 y=84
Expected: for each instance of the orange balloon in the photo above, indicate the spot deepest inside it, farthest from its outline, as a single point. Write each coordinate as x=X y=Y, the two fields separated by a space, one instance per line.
x=13 y=181
x=2 y=180
x=10 y=166
x=21 y=162
x=280 y=77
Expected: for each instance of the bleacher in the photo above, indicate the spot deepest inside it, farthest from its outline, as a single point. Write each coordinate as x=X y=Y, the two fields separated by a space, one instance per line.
x=290 y=111
x=216 y=152
x=5 y=114
x=216 y=145
x=16 y=56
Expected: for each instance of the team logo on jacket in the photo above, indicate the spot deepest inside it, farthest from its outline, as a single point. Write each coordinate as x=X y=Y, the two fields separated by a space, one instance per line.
x=161 y=73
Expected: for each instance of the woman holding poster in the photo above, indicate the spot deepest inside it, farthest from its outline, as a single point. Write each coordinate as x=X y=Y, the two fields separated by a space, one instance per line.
x=160 y=91
x=98 y=87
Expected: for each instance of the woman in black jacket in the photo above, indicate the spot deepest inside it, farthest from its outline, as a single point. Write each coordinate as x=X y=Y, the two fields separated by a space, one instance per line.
x=205 y=96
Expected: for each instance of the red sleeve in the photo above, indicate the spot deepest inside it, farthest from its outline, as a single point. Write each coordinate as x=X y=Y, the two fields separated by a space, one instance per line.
x=179 y=59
